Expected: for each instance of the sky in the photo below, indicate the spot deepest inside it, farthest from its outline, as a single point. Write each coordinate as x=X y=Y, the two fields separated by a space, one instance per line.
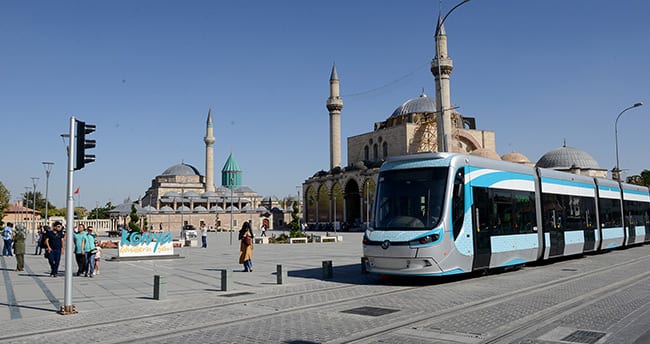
x=146 y=72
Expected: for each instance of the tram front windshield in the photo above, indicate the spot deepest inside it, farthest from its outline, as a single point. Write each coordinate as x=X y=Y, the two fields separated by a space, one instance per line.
x=410 y=199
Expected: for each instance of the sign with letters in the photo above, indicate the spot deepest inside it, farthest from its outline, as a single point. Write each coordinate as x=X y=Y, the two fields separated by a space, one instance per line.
x=145 y=244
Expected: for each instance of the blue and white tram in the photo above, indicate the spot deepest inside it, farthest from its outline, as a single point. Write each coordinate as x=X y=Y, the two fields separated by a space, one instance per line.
x=438 y=214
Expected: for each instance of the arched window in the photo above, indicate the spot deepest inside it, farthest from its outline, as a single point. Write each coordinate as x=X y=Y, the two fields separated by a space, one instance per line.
x=366 y=153
x=375 y=152
x=385 y=149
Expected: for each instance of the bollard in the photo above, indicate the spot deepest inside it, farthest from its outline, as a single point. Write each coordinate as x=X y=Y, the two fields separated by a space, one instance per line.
x=364 y=267
x=226 y=279
x=281 y=274
x=327 y=269
x=159 y=287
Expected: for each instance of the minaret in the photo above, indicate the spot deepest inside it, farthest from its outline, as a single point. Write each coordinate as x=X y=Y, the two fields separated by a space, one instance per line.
x=334 y=105
x=441 y=72
x=209 y=154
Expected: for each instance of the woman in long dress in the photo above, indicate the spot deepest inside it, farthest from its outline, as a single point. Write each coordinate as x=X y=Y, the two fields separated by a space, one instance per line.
x=246 y=247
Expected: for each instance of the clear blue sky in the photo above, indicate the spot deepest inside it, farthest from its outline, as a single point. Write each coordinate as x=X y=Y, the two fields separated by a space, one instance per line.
x=146 y=73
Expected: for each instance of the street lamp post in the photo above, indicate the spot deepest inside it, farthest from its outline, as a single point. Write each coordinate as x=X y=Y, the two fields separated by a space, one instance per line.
x=26 y=218
x=232 y=223
x=48 y=170
x=34 y=182
x=445 y=133
x=298 y=188
x=618 y=167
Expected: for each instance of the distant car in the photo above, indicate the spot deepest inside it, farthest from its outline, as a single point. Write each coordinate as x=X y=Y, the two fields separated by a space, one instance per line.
x=189 y=232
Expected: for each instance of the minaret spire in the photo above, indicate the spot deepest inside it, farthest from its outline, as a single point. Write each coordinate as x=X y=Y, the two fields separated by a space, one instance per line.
x=334 y=106
x=441 y=67
x=209 y=153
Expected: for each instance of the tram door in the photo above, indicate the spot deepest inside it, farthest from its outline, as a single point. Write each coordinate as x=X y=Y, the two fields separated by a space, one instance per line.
x=481 y=229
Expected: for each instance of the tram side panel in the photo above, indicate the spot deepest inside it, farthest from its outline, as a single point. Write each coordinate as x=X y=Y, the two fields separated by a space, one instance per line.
x=568 y=214
x=636 y=205
x=609 y=212
x=504 y=218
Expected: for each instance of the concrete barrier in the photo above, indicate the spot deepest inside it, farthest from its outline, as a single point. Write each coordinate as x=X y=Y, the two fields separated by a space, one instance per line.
x=327 y=269
x=159 y=287
x=281 y=274
x=226 y=279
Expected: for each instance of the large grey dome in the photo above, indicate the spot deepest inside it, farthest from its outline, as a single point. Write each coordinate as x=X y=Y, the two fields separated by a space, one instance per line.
x=421 y=104
x=181 y=170
x=567 y=157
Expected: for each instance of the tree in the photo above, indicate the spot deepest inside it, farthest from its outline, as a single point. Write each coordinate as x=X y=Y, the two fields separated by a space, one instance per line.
x=5 y=198
x=101 y=212
x=295 y=221
x=643 y=179
x=28 y=201
x=134 y=218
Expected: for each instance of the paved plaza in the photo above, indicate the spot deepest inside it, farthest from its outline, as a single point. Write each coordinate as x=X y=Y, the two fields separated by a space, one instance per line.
x=601 y=298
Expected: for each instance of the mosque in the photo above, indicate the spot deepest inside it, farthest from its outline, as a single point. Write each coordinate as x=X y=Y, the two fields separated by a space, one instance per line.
x=181 y=194
x=343 y=196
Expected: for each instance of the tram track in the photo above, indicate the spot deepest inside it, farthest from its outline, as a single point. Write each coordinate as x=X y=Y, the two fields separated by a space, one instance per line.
x=370 y=336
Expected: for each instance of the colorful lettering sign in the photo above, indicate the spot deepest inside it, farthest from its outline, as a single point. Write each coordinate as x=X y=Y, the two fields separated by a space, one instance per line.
x=145 y=244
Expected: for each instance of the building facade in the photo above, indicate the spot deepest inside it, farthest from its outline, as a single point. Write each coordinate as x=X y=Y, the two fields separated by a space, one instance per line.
x=343 y=196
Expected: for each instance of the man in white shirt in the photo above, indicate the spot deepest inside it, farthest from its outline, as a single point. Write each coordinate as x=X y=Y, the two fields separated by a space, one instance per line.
x=204 y=234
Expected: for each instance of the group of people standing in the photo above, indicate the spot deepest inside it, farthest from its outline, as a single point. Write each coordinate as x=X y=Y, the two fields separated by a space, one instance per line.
x=52 y=241
x=87 y=251
x=14 y=240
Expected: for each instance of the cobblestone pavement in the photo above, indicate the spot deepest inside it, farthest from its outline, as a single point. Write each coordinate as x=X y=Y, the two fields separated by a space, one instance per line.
x=601 y=298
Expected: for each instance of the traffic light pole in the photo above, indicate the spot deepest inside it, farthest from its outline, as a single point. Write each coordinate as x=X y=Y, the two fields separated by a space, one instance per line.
x=68 y=307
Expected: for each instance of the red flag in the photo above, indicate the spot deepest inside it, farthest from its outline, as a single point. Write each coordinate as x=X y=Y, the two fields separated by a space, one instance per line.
x=76 y=191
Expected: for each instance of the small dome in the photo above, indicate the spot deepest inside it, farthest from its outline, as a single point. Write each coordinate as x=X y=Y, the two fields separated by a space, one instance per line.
x=515 y=157
x=421 y=104
x=485 y=153
x=567 y=157
x=190 y=194
x=181 y=170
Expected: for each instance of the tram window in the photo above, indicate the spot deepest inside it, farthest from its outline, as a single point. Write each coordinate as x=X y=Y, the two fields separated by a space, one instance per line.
x=610 y=212
x=568 y=212
x=410 y=199
x=458 y=202
x=505 y=212
x=636 y=212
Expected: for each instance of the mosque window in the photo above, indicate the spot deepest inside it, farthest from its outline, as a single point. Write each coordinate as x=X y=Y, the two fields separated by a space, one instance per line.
x=375 y=152
x=380 y=139
x=366 y=153
x=385 y=149
x=371 y=141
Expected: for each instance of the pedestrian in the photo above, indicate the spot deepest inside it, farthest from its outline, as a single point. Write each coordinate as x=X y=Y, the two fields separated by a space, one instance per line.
x=54 y=246
x=79 y=253
x=246 y=247
x=98 y=256
x=263 y=227
x=7 y=236
x=39 y=240
x=90 y=250
x=19 y=248
x=204 y=234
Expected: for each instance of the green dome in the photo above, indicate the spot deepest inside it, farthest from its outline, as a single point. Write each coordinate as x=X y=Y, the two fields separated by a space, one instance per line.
x=231 y=173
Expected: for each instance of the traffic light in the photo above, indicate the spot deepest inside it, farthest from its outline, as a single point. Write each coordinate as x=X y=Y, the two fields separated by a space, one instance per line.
x=82 y=144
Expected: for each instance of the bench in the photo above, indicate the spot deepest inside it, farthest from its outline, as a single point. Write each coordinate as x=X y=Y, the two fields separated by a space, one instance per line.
x=261 y=240
x=321 y=238
x=295 y=240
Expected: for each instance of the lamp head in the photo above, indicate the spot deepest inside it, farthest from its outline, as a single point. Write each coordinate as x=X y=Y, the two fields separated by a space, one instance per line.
x=638 y=104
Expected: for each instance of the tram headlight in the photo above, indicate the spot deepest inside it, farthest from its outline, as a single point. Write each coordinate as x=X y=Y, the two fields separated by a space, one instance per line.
x=425 y=239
